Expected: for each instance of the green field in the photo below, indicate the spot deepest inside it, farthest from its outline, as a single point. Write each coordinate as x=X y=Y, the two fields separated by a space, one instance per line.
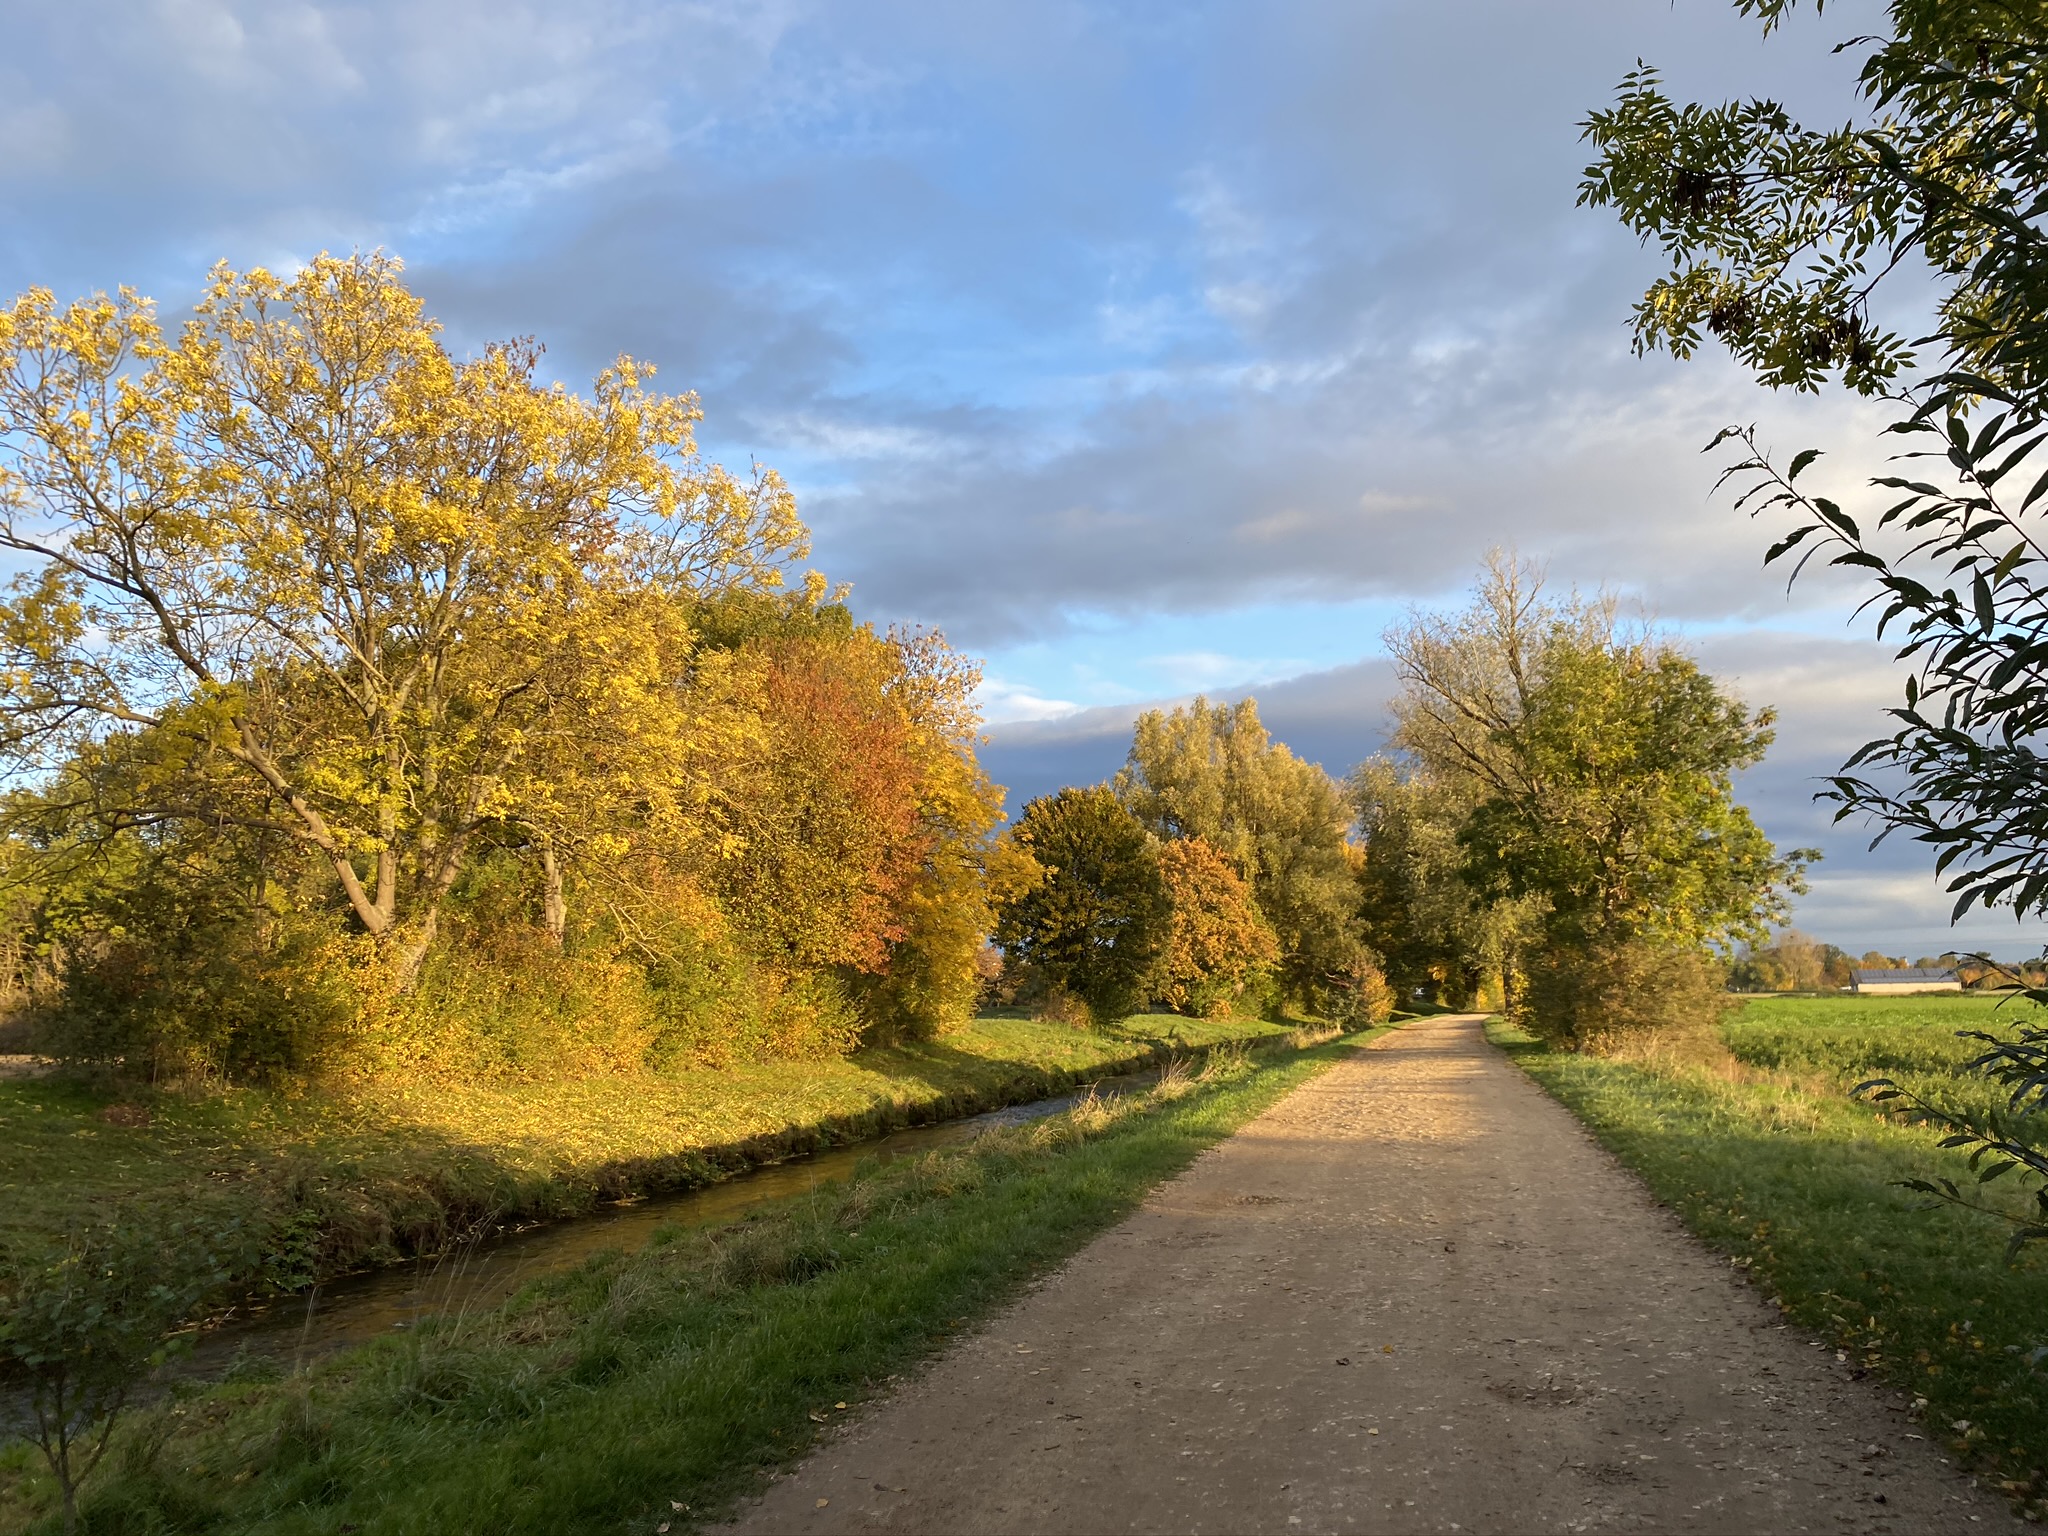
x=658 y=1386
x=1766 y=1156
x=358 y=1175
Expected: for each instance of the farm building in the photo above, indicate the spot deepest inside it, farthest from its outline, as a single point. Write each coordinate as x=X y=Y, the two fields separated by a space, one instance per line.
x=1914 y=978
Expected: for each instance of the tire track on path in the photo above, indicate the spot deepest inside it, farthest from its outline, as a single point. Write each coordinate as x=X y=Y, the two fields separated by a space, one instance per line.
x=1413 y=1296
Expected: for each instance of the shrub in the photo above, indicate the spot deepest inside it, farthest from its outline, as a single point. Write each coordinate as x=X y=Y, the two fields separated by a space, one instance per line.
x=505 y=1003
x=1056 y=1005
x=1613 y=991
x=86 y=1327
x=171 y=983
x=1360 y=996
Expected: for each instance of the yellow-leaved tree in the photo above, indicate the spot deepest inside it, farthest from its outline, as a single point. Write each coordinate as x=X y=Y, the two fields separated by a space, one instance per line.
x=1217 y=943
x=354 y=591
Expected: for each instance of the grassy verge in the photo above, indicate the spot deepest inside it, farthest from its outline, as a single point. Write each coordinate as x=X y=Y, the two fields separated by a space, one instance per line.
x=1767 y=1158
x=368 y=1174
x=611 y=1397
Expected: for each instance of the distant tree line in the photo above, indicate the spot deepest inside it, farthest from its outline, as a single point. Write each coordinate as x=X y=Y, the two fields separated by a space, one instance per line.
x=1553 y=832
x=373 y=709
x=1794 y=962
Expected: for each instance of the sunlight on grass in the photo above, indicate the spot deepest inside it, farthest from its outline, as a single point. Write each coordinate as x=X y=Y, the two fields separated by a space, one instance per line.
x=674 y=1377
x=377 y=1171
x=1768 y=1158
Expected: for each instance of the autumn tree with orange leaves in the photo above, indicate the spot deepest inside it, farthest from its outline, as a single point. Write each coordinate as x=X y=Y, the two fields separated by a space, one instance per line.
x=327 y=636
x=1217 y=942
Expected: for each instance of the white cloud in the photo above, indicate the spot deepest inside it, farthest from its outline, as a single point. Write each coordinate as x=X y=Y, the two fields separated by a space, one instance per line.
x=1060 y=318
x=1008 y=704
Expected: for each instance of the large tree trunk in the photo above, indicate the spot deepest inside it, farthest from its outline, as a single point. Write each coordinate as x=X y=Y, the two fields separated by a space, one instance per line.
x=554 y=906
x=410 y=950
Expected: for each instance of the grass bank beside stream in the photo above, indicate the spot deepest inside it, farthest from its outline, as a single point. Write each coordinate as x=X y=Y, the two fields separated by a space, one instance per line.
x=349 y=1177
x=647 y=1391
x=1764 y=1154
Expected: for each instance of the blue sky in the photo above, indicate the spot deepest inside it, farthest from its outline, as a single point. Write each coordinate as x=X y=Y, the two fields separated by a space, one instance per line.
x=1146 y=349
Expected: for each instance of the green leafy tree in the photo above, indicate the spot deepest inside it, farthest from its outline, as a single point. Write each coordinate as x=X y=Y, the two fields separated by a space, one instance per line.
x=1212 y=771
x=1780 y=236
x=1436 y=934
x=88 y=1325
x=1599 y=763
x=1621 y=817
x=1098 y=917
x=1599 y=767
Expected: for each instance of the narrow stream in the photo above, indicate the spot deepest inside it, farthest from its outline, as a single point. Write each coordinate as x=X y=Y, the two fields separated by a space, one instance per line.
x=292 y=1330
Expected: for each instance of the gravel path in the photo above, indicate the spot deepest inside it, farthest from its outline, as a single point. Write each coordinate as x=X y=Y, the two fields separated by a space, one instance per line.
x=1413 y=1296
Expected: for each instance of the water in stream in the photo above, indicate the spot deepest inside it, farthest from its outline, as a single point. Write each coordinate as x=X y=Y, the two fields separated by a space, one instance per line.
x=294 y=1329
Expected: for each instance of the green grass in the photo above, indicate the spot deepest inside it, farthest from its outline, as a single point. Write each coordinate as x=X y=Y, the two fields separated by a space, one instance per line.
x=1767 y=1157
x=357 y=1175
x=600 y=1399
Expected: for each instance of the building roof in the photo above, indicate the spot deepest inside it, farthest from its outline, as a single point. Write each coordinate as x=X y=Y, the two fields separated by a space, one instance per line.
x=1910 y=973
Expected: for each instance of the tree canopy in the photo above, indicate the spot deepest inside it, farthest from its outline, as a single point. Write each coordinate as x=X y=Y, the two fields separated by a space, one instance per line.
x=329 y=638
x=1097 y=917
x=360 y=587
x=1212 y=771
x=1435 y=933
x=1780 y=236
x=1217 y=941
x=1593 y=767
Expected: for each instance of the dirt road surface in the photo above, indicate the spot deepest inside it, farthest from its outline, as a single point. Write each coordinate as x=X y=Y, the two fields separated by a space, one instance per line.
x=1413 y=1296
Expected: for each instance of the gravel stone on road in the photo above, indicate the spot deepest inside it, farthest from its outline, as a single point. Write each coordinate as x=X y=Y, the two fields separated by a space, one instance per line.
x=1413 y=1296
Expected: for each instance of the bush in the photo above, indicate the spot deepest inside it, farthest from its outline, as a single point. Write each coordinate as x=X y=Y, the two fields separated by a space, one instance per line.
x=1611 y=992
x=86 y=1327
x=172 y=984
x=1056 y=1005
x=505 y=1003
x=1360 y=996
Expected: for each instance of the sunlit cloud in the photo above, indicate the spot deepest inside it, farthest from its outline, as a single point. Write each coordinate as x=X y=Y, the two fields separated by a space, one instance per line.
x=1145 y=351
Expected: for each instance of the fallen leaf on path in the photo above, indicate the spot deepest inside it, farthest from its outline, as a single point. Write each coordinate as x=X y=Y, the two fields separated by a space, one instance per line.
x=823 y=1502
